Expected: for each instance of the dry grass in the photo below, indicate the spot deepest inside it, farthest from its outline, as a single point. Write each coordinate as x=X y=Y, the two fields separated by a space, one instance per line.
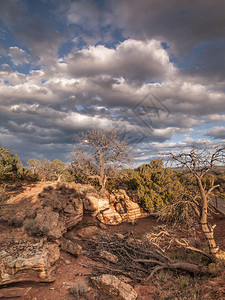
x=78 y=289
x=33 y=228
x=16 y=221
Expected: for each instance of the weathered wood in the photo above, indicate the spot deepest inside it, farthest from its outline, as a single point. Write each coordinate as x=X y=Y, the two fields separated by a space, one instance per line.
x=136 y=259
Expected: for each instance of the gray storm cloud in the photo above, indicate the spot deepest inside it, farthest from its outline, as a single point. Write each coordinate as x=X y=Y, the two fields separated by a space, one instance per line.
x=162 y=78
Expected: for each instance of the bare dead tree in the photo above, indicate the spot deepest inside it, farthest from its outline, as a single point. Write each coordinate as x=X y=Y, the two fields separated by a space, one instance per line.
x=200 y=162
x=100 y=151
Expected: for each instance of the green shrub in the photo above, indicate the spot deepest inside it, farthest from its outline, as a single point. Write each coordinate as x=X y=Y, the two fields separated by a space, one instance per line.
x=111 y=184
x=10 y=165
x=156 y=186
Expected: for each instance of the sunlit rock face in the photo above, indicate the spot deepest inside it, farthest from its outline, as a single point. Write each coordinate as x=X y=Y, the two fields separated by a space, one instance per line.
x=34 y=263
x=113 y=208
x=113 y=286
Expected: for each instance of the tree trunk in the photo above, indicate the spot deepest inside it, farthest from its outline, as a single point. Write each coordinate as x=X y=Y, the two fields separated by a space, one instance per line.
x=189 y=267
x=59 y=178
x=102 y=172
x=207 y=230
x=33 y=170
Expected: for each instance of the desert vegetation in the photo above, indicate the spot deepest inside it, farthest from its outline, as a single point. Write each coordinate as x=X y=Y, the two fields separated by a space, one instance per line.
x=182 y=197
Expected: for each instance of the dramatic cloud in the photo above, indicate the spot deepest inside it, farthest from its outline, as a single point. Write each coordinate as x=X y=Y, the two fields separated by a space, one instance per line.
x=152 y=69
x=217 y=132
x=18 y=56
x=30 y=30
x=138 y=60
x=183 y=24
x=84 y=12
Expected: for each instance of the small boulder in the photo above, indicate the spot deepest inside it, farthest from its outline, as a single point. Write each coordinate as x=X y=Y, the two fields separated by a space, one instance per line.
x=89 y=232
x=54 y=252
x=48 y=221
x=71 y=247
x=79 y=288
x=109 y=256
x=113 y=286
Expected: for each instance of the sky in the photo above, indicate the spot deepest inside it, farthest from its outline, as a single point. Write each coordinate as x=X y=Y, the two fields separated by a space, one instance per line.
x=152 y=69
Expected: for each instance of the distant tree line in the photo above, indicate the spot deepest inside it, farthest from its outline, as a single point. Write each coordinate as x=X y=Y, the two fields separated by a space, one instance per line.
x=180 y=196
x=11 y=168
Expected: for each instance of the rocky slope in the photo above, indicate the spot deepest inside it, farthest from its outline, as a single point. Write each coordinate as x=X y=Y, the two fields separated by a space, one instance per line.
x=43 y=215
x=43 y=229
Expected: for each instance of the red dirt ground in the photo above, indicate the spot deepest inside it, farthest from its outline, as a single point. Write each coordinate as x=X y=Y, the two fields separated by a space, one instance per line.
x=70 y=269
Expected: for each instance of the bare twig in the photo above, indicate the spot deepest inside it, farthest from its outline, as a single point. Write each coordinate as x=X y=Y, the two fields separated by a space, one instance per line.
x=137 y=260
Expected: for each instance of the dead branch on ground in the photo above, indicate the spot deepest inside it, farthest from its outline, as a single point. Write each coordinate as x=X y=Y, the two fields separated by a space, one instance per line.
x=138 y=260
x=163 y=238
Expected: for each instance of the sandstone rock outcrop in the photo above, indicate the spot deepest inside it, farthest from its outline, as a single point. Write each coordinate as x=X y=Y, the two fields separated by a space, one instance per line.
x=50 y=223
x=113 y=286
x=73 y=212
x=119 y=208
x=36 y=263
x=67 y=201
x=113 y=208
x=60 y=209
x=110 y=216
x=94 y=203
x=70 y=201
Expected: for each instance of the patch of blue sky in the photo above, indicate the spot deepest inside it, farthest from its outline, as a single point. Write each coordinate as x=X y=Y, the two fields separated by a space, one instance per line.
x=175 y=60
x=108 y=35
x=41 y=9
x=66 y=47
x=35 y=67
x=7 y=39
x=197 y=135
x=24 y=68
x=153 y=81
x=21 y=68
x=117 y=37
x=193 y=59
x=211 y=122
x=101 y=3
x=176 y=138
x=200 y=131
x=5 y=60
x=165 y=45
x=79 y=107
